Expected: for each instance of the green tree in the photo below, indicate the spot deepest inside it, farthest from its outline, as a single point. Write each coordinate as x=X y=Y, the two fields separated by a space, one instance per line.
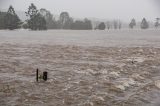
x=87 y=24
x=82 y=25
x=102 y=26
x=50 y=21
x=11 y=20
x=65 y=20
x=144 y=24
x=2 y=15
x=25 y=25
x=36 y=21
x=132 y=23
x=77 y=25
x=32 y=11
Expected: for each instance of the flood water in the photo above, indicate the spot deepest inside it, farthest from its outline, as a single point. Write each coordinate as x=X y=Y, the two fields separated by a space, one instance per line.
x=86 y=68
x=128 y=38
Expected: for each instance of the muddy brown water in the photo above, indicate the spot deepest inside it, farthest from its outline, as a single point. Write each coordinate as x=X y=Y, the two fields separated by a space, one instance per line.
x=79 y=75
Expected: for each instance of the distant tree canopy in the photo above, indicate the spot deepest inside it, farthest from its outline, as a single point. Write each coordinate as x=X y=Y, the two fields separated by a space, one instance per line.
x=25 y=25
x=65 y=21
x=50 y=21
x=36 y=20
x=132 y=23
x=2 y=15
x=108 y=23
x=157 y=24
x=87 y=24
x=82 y=25
x=43 y=19
x=11 y=20
x=144 y=24
x=102 y=26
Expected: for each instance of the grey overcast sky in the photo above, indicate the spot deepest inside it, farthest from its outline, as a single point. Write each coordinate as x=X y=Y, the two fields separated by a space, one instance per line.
x=102 y=9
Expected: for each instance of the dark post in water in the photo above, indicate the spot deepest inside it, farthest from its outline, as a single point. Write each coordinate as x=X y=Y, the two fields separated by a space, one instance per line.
x=45 y=76
x=37 y=75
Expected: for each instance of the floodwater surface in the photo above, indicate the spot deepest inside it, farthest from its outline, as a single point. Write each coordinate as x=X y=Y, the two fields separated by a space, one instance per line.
x=86 y=68
x=127 y=38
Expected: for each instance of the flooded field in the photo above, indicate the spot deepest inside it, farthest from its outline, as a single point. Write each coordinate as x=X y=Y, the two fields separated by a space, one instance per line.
x=86 y=68
x=111 y=38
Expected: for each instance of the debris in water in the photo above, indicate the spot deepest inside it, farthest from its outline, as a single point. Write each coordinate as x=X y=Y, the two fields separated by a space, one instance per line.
x=136 y=76
x=157 y=84
x=124 y=83
x=114 y=74
x=91 y=71
x=88 y=103
x=121 y=87
x=104 y=71
x=98 y=99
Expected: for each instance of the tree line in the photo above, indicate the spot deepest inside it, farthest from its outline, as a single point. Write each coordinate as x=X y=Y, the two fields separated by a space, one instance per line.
x=43 y=19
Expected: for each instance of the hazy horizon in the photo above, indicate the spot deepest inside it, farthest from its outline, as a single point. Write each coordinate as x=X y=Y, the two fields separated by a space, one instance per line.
x=104 y=9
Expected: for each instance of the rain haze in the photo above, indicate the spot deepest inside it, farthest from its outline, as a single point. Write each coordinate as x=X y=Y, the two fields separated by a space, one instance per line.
x=80 y=53
x=102 y=9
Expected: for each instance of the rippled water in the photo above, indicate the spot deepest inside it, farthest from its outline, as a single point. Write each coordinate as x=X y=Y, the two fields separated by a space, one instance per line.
x=86 y=68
